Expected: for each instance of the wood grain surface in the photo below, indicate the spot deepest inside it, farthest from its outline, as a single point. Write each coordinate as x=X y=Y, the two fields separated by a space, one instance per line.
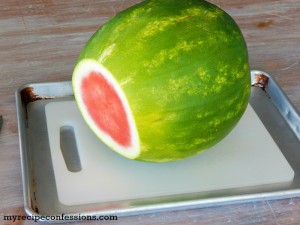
x=41 y=39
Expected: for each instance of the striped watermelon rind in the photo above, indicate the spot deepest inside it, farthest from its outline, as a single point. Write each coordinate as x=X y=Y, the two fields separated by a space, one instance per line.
x=182 y=67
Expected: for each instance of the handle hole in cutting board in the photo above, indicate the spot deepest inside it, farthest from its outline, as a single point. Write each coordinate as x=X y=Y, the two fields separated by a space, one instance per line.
x=69 y=148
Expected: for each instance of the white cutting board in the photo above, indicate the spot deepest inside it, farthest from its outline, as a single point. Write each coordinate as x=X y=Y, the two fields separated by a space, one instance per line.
x=247 y=156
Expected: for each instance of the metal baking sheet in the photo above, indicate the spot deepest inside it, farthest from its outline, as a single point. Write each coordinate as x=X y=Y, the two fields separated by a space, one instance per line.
x=40 y=195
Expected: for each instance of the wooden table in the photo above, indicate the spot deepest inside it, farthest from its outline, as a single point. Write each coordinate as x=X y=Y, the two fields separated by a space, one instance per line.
x=41 y=39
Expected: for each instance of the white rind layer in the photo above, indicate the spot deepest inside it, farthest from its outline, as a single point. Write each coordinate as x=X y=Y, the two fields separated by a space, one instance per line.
x=82 y=69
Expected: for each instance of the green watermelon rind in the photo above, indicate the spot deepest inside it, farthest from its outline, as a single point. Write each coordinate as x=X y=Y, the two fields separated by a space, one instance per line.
x=183 y=67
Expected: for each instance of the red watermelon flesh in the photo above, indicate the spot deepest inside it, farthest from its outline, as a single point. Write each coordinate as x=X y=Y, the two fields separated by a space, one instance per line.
x=106 y=108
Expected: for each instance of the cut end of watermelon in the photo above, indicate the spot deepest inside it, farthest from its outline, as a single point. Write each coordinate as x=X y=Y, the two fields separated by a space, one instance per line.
x=105 y=108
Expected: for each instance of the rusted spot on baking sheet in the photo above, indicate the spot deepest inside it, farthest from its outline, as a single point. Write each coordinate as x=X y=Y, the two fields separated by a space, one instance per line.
x=33 y=200
x=260 y=80
x=28 y=95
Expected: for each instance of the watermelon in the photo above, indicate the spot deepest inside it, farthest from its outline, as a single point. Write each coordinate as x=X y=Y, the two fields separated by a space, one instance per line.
x=163 y=80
